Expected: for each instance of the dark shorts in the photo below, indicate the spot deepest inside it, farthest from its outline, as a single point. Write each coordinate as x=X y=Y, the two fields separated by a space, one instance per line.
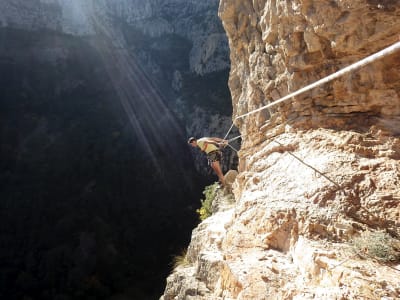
x=214 y=156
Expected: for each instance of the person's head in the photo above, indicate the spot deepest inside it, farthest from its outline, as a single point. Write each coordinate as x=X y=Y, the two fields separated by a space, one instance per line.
x=192 y=142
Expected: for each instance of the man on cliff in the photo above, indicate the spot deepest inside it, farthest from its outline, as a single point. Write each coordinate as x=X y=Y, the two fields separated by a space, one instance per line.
x=211 y=146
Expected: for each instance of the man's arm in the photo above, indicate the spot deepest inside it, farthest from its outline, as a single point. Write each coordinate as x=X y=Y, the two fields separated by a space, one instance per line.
x=219 y=141
x=215 y=139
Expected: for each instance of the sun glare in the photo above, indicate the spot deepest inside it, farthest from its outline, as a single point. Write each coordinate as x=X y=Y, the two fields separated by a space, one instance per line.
x=153 y=122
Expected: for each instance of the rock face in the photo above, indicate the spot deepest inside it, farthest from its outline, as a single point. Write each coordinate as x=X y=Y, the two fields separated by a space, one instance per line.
x=179 y=45
x=315 y=171
x=90 y=141
x=193 y=20
x=281 y=47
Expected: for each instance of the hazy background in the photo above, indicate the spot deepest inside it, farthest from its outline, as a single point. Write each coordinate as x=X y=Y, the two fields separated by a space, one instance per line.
x=98 y=189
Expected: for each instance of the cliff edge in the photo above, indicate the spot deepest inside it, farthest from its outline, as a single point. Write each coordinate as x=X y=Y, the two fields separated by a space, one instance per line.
x=317 y=197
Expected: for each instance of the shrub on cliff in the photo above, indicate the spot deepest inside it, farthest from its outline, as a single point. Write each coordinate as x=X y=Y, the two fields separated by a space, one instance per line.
x=210 y=193
x=378 y=245
x=181 y=259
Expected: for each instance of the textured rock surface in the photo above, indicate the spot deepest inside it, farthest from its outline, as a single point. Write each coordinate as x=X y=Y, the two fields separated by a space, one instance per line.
x=179 y=45
x=279 y=47
x=313 y=172
x=196 y=21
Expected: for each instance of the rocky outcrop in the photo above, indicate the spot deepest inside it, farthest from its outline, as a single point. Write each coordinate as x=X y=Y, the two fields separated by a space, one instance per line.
x=88 y=97
x=314 y=172
x=196 y=21
x=279 y=47
x=179 y=46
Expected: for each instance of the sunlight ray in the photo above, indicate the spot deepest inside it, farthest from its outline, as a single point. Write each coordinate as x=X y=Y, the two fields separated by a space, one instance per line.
x=146 y=108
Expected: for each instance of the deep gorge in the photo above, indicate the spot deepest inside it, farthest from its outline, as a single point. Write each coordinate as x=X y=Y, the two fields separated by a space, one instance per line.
x=98 y=187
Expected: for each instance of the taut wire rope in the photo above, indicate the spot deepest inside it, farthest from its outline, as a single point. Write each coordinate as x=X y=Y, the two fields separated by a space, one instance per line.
x=361 y=63
x=355 y=66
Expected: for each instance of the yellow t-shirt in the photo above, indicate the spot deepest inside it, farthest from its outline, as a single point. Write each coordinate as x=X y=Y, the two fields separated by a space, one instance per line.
x=206 y=145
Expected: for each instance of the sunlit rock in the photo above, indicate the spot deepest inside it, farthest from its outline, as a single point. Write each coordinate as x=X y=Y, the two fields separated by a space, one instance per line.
x=315 y=171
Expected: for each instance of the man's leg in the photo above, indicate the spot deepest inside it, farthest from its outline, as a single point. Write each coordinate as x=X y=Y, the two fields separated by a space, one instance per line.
x=215 y=165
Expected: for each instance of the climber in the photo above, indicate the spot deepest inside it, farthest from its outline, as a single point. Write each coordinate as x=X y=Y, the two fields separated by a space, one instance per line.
x=212 y=147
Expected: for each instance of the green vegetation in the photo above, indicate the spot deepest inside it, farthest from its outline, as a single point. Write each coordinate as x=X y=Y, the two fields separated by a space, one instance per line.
x=378 y=245
x=210 y=193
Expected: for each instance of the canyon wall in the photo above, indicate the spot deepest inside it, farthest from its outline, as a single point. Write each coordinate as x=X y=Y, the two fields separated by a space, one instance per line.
x=179 y=46
x=96 y=176
x=197 y=22
x=316 y=173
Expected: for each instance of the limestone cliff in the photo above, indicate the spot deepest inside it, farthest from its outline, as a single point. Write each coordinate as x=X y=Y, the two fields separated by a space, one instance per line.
x=196 y=21
x=179 y=45
x=316 y=172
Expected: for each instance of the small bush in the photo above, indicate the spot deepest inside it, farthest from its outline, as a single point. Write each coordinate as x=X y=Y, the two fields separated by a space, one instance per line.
x=378 y=245
x=181 y=259
x=205 y=210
